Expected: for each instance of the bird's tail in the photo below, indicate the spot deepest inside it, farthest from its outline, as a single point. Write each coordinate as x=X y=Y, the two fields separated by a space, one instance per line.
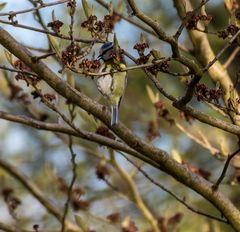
x=114 y=119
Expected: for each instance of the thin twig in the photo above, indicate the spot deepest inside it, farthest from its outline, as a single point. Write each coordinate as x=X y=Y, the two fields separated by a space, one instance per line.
x=14 y=13
x=135 y=195
x=9 y=228
x=3 y=67
x=33 y=189
x=182 y=201
x=141 y=26
x=187 y=17
x=74 y=168
x=37 y=58
x=50 y=32
x=134 y=67
x=231 y=57
x=197 y=140
x=155 y=26
x=70 y=188
x=55 y=127
x=224 y=171
x=221 y=51
x=71 y=25
x=194 y=81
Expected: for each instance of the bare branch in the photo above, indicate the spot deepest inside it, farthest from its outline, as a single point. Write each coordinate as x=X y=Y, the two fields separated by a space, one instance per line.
x=33 y=189
x=155 y=26
x=159 y=157
x=50 y=32
x=182 y=201
x=14 y=13
x=231 y=57
x=222 y=51
x=70 y=188
x=136 y=197
x=224 y=171
x=3 y=67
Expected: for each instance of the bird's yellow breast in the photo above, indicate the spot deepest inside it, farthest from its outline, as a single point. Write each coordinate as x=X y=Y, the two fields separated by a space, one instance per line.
x=112 y=85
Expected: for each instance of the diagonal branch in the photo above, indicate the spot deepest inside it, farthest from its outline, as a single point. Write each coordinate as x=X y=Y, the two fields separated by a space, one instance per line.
x=204 y=52
x=55 y=127
x=155 y=26
x=182 y=201
x=34 y=190
x=159 y=157
x=224 y=171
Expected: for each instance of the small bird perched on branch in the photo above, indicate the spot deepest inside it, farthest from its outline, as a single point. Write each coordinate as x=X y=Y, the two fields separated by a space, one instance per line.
x=112 y=86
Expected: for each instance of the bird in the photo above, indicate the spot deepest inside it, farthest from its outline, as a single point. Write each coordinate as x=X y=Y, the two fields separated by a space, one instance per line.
x=111 y=86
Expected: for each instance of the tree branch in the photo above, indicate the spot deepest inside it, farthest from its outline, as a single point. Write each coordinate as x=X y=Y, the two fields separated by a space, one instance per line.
x=160 y=157
x=14 y=13
x=34 y=190
x=224 y=171
x=50 y=32
x=182 y=201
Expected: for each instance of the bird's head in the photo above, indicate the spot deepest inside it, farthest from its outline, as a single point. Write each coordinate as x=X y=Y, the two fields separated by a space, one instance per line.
x=105 y=52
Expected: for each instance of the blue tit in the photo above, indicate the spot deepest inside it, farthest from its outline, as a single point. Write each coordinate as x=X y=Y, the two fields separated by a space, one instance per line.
x=111 y=86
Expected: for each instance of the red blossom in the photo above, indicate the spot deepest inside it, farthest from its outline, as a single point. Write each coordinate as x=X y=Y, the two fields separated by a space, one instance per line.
x=101 y=171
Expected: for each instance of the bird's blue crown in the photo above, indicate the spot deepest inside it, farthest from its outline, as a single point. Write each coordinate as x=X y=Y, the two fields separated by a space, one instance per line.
x=106 y=46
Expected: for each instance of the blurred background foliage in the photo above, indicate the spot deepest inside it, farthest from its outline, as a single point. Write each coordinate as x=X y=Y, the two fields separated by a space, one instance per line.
x=44 y=157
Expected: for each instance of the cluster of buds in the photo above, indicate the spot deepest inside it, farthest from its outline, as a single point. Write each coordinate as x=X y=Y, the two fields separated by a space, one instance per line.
x=109 y=22
x=230 y=30
x=55 y=26
x=97 y=27
x=140 y=47
x=117 y=55
x=89 y=65
x=102 y=171
x=11 y=201
x=143 y=59
x=237 y=176
x=169 y=223
x=129 y=226
x=206 y=94
x=75 y=199
x=18 y=94
x=104 y=131
x=162 y=66
x=50 y=97
x=186 y=117
x=199 y=171
x=152 y=131
x=193 y=21
x=76 y=202
x=153 y=126
x=163 y=112
x=36 y=227
x=72 y=4
x=11 y=17
x=114 y=217
x=72 y=54
x=29 y=79
x=237 y=14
